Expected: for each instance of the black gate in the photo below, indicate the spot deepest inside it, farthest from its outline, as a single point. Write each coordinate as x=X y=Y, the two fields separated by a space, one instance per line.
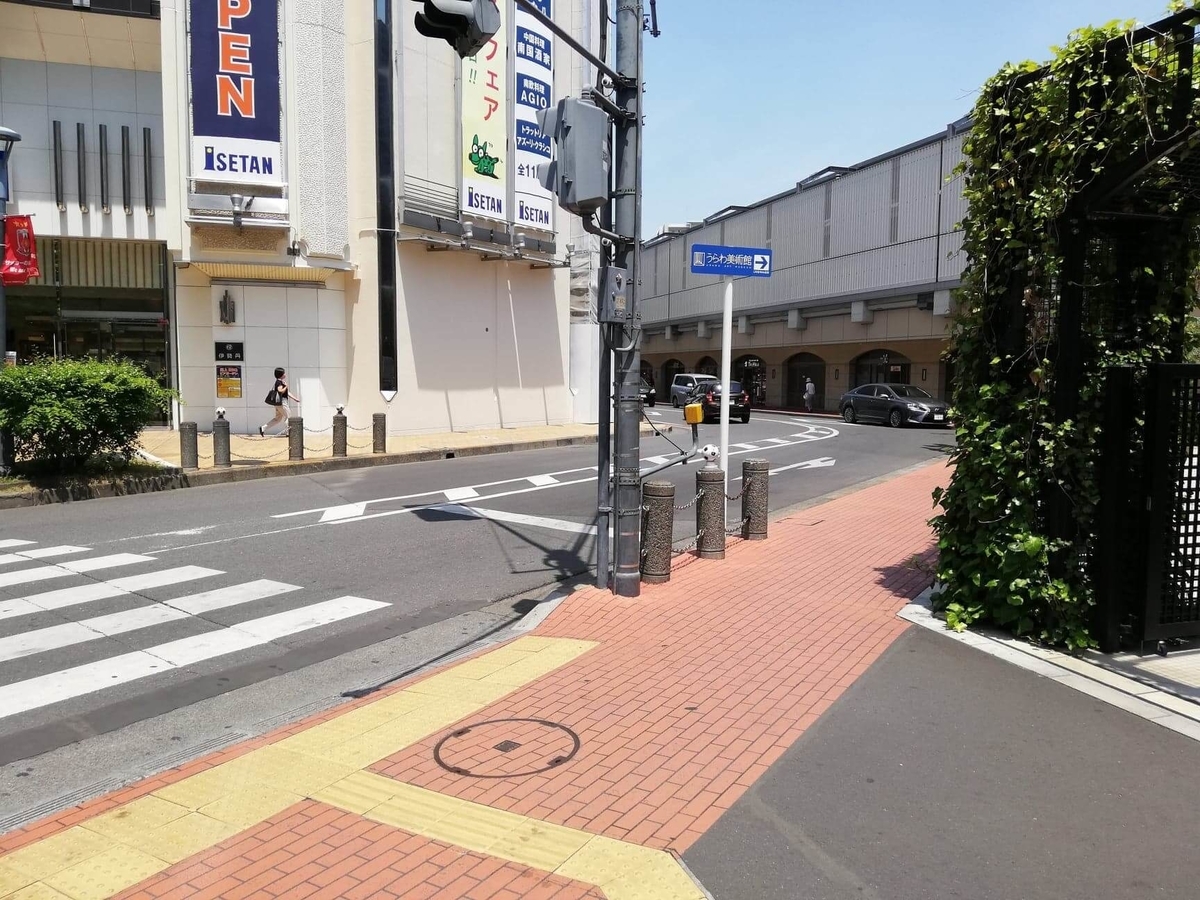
x=1172 y=471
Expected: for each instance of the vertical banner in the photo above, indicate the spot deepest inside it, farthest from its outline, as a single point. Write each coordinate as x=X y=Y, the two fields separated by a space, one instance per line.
x=534 y=63
x=485 y=128
x=235 y=91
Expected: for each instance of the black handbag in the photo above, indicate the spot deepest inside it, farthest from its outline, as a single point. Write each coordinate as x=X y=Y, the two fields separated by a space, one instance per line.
x=273 y=398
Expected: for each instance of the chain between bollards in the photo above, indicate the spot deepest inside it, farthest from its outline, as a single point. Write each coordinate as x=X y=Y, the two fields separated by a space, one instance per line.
x=379 y=433
x=295 y=437
x=710 y=512
x=658 y=527
x=756 y=474
x=189 y=453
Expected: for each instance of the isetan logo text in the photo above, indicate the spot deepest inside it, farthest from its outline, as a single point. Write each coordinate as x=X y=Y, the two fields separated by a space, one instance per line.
x=235 y=72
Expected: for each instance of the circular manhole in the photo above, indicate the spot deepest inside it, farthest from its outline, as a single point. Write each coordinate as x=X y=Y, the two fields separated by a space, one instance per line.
x=506 y=748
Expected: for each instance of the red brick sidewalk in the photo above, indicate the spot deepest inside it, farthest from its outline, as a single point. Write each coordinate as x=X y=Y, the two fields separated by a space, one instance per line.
x=639 y=722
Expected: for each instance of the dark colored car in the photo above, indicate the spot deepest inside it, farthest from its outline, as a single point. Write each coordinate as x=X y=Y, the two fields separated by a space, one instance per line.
x=649 y=395
x=896 y=404
x=708 y=395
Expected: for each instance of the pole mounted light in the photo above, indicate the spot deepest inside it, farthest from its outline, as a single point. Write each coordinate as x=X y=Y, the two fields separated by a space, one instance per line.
x=466 y=25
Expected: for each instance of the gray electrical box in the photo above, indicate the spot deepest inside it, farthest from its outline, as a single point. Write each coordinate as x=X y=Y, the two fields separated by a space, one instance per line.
x=615 y=307
x=579 y=175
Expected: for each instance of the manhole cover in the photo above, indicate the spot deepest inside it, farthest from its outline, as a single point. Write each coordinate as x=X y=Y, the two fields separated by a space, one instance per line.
x=506 y=748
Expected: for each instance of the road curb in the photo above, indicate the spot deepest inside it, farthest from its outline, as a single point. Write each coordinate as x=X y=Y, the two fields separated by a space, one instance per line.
x=174 y=479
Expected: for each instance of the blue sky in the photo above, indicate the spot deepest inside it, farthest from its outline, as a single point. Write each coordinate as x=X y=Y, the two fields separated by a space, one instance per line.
x=747 y=97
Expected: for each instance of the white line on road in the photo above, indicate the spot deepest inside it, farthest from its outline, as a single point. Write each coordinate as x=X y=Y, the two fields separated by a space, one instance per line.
x=782 y=442
x=496 y=515
x=34 y=693
x=14 y=542
x=39 y=553
x=103 y=590
x=462 y=493
x=656 y=460
x=542 y=480
x=822 y=463
x=745 y=446
x=349 y=511
x=234 y=595
x=44 y=573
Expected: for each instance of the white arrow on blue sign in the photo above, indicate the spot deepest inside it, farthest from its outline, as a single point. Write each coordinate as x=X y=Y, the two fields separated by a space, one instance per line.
x=713 y=259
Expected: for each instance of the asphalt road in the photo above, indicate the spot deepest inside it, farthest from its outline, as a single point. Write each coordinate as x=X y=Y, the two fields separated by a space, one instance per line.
x=944 y=772
x=207 y=590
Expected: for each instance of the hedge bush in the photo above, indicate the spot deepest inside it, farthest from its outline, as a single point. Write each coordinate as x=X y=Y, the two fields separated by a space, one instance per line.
x=62 y=413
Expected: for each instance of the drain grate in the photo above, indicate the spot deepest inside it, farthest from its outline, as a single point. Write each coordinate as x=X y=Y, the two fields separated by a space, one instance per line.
x=507 y=746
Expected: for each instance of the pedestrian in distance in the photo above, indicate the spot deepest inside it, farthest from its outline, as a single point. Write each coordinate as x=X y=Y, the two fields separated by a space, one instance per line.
x=810 y=394
x=278 y=398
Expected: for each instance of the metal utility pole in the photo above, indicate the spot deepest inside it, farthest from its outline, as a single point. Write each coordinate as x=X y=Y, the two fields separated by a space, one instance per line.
x=627 y=370
x=8 y=138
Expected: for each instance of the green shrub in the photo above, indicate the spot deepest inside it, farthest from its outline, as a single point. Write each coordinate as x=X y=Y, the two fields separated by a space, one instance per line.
x=62 y=413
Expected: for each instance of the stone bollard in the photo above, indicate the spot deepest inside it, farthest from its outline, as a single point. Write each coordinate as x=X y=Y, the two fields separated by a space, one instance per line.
x=756 y=474
x=658 y=527
x=339 y=433
x=379 y=433
x=221 y=458
x=295 y=437
x=189 y=453
x=710 y=513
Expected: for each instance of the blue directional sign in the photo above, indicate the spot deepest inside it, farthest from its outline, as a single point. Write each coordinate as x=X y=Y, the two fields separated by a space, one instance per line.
x=739 y=262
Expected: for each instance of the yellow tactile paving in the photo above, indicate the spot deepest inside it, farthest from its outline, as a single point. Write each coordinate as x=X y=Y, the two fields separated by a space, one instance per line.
x=119 y=848
x=109 y=873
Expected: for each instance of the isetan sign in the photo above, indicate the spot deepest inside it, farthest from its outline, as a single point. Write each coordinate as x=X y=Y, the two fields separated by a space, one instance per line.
x=235 y=91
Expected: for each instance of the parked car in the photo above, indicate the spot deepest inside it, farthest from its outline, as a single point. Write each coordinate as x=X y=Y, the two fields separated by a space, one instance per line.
x=649 y=395
x=708 y=395
x=896 y=404
x=683 y=385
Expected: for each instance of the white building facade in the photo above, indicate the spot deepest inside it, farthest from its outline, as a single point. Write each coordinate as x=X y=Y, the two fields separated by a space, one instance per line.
x=865 y=261
x=293 y=183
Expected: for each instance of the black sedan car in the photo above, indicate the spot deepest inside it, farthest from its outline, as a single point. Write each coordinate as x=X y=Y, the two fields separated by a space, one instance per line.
x=708 y=395
x=896 y=404
x=649 y=395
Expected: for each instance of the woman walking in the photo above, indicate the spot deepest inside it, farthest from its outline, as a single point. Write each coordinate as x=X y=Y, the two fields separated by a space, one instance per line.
x=278 y=397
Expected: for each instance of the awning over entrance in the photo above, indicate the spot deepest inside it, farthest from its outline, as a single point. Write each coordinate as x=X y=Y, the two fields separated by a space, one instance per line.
x=265 y=272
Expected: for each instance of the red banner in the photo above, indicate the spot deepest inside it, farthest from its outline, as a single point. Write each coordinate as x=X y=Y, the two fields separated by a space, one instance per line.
x=20 y=251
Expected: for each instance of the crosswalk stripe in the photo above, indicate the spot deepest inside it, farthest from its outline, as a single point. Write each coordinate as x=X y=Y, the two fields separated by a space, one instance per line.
x=67 y=684
x=542 y=480
x=463 y=493
x=39 y=553
x=14 y=542
x=656 y=460
x=103 y=590
x=745 y=446
x=221 y=598
x=56 y=637
x=61 y=570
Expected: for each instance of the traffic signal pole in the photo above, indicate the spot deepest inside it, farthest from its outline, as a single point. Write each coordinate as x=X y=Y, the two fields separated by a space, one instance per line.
x=627 y=362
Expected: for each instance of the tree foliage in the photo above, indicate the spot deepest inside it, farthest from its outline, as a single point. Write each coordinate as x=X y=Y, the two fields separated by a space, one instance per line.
x=1041 y=137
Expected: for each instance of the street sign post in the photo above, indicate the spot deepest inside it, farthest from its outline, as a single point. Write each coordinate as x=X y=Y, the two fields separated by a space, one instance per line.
x=729 y=263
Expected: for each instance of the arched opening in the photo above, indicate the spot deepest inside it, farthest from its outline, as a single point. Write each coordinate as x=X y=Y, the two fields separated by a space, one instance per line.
x=881 y=367
x=648 y=373
x=751 y=371
x=708 y=366
x=799 y=369
x=670 y=369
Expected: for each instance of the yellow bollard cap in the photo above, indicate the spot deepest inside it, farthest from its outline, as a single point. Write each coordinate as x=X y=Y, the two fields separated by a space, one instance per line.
x=693 y=414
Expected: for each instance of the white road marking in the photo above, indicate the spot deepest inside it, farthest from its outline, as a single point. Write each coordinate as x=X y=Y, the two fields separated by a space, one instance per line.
x=542 y=480
x=656 y=460
x=44 y=573
x=39 y=553
x=87 y=593
x=34 y=693
x=14 y=542
x=462 y=493
x=745 y=446
x=234 y=595
x=783 y=442
x=349 y=511
x=55 y=637
x=822 y=463
x=496 y=515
